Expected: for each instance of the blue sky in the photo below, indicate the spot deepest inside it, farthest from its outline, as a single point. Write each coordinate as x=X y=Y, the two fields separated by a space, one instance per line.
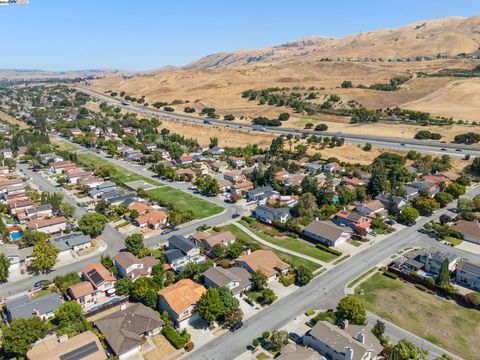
x=148 y=34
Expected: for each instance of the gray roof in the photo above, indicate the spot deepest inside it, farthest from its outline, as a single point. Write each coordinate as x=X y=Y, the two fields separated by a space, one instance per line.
x=173 y=254
x=470 y=267
x=24 y=307
x=68 y=241
x=181 y=243
x=409 y=190
x=259 y=191
x=326 y=230
x=123 y=329
x=39 y=208
x=106 y=185
x=339 y=339
x=297 y=352
x=276 y=212
x=9 y=250
x=438 y=256
x=223 y=277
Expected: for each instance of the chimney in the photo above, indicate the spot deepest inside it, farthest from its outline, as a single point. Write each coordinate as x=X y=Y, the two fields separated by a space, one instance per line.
x=348 y=353
x=345 y=324
x=63 y=338
x=361 y=336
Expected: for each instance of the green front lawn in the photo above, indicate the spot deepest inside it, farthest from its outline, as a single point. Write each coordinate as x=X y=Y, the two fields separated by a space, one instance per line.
x=444 y=323
x=248 y=240
x=293 y=244
x=453 y=241
x=183 y=201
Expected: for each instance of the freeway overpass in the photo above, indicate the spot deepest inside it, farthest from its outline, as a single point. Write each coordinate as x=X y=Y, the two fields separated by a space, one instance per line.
x=425 y=146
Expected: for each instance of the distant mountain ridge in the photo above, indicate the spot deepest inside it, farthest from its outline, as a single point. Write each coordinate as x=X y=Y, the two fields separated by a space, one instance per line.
x=33 y=74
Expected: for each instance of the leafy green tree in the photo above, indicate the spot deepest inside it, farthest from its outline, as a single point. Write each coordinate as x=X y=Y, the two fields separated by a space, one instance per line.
x=284 y=116
x=107 y=261
x=378 y=183
x=193 y=270
x=134 y=244
x=158 y=275
x=230 y=302
x=4 y=265
x=144 y=290
x=45 y=256
x=92 y=224
x=70 y=318
x=352 y=309
x=213 y=142
x=276 y=146
x=268 y=296
x=367 y=147
x=278 y=339
x=303 y=275
x=21 y=334
x=406 y=350
x=306 y=206
x=67 y=210
x=443 y=278
x=123 y=286
x=475 y=167
x=408 y=216
x=176 y=217
x=31 y=237
x=210 y=305
x=207 y=185
x=63 y=282
x=218 y=250
x=259 y=280
x=3 y=230
x=379 y=329
x=425 y=205
x=234 y=250
x=443 y=198
x=456 y=190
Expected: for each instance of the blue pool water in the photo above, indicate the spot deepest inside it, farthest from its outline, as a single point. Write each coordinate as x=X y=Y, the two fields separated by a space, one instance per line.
x=15 y=236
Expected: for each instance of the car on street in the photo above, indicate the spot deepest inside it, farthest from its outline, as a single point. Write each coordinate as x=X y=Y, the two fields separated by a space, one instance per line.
x=236 y=215
x=443 y=149
x=40 y=283
x=236 y=326
x=458 y=150
x=295 y=337
x=167 y=231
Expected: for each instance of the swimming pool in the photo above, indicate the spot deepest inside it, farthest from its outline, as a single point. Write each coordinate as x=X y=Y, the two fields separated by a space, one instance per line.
x=15 y=236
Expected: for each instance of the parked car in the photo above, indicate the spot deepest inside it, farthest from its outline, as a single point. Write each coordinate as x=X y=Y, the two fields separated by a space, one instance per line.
x=167 y=231
x=41 y=283
x=236 y=215
x=295 y=337
x=236 y=326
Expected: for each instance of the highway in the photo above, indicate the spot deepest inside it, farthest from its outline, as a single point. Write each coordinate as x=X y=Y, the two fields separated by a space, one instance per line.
x=426 y=146
x=321 y=293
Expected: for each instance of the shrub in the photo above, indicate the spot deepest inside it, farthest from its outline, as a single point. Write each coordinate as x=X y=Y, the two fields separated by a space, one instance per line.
x=286 y=280
x=173 y=336
x=255 y=343
x=328 y=249
x=169 y=109
x=472 y=298
x=321 y=127
x=265 y=335
x=390 y=274
x=309 y=312
x=421 y=287
x=247 y=219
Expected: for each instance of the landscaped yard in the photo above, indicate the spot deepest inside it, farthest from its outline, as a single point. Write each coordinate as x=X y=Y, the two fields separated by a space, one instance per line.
x=183 y=201
x=441 y=322
x=63 y=145
x=245 y=238
x=293 y=244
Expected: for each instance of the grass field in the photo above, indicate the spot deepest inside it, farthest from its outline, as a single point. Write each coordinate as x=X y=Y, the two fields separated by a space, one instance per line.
x=294 y=260
x=63 y=145
x=183 y=201
x=293 y=244
x=441 y=322
x=361 y=277
x=119 y=175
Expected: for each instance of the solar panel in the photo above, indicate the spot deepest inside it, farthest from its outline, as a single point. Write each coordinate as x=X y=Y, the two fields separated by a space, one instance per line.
x=81 y=353
x=95 y=276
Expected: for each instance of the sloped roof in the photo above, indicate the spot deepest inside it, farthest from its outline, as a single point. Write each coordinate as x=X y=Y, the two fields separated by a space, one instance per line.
x=182 y=294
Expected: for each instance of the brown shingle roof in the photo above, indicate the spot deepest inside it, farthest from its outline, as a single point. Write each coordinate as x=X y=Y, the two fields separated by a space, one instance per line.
x=470 y=229
x=264 y=260
x=81 y=289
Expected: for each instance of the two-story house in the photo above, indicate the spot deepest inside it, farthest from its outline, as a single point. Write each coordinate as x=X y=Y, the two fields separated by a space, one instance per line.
x=261 y=195
x=182 y=251
x=270 y=214
x=224 y=238
x=468 y=274
x=236 y=279
x=129 y=266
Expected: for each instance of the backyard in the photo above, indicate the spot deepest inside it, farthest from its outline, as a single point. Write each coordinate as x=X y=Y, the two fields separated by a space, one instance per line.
x=246 y=239
x=168 y=196
x=289 y=242
x=442 y=322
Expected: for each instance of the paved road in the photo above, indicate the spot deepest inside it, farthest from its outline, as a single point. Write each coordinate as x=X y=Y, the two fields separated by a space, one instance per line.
x=433 y=147
x=303 y=256
x=321 y=293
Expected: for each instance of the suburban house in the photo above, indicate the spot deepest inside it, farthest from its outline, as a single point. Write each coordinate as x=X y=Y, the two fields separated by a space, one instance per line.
x=392 y=202
x=129 y=266
x=470 y=230
x=433 y=260
x=26 y=307
x=73 y=175
x=234 y=177
x=235 y=278
x=102 y=188
x=12 y=253
x=185 y=160
x=270 y=214
x=356 y=222
x=180 y=301
x=371 y=208
x=236 y=162
x=352 y=183
x=62 y=166
x=224 y=238
x=182 y=251
x=312 y=168
x=351 y=343
x=468 y=274
x=84 y=346
x=332 y=167
x=155 y=219
x=437 y=179
x=265 y=261
x=101 y=279
x=261 y=195
x=410 y=192
x=83 y=293
x=71 y=242
x=297 y=352
x=327 y=232
x=241 y=188
x=430 y=187
x=39 y=212
x=125 y=330
x=49 y=226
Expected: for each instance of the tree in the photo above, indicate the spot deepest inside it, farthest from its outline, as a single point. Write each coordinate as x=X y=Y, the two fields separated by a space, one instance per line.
x=321 y=127
x=268 y=296
x=70 y=318
x=218 y=250
x=346 y=84
x=425 y=205
x=379 y=329
x=213 y=142
x=284 y=116
x=279 y=339
x=67 y=210
x=406 y=350
x=158 y=275
x=443 y=278
x=306 y=206
x=378 y=183
x=276 y=146
x=234 y=250
x=408 y=216
x=107 y=261
x=475 y=167
x=207 y=185
x=303 y=275
x=443 y=198
x=123 y=286
x=134 y=214
x=4 y=265
x=456 y=190
x=134 y=244
x=210 y=305
x=21 y=334
x=176 y=217
x=230 y=302
x=259 y=280
x=63 y=282
x=92 y=224
x=367 y=147
x=144 y=290
x=45 y=256
x=3 y=230
x=352 y=309
x=31 y=237
x=234 y=316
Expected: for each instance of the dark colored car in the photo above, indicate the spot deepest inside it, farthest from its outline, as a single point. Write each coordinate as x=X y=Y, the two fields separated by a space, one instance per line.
x=236 y=326
x=40 y=283
x=236 y=215
x=167 y=231
x=295 y=337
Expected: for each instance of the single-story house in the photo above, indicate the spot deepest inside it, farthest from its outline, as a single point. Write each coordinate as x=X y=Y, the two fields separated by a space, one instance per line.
x=49 y=226
x=265 y=261
x=224 y=238
x=470 y=230
x=371 y=208
x=327 y=232
x=26 y=307
x=71 y=242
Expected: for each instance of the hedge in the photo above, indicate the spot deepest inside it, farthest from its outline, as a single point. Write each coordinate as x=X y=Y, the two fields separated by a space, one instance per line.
x=390 y=275
x=328 y=249
x=173 y=336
